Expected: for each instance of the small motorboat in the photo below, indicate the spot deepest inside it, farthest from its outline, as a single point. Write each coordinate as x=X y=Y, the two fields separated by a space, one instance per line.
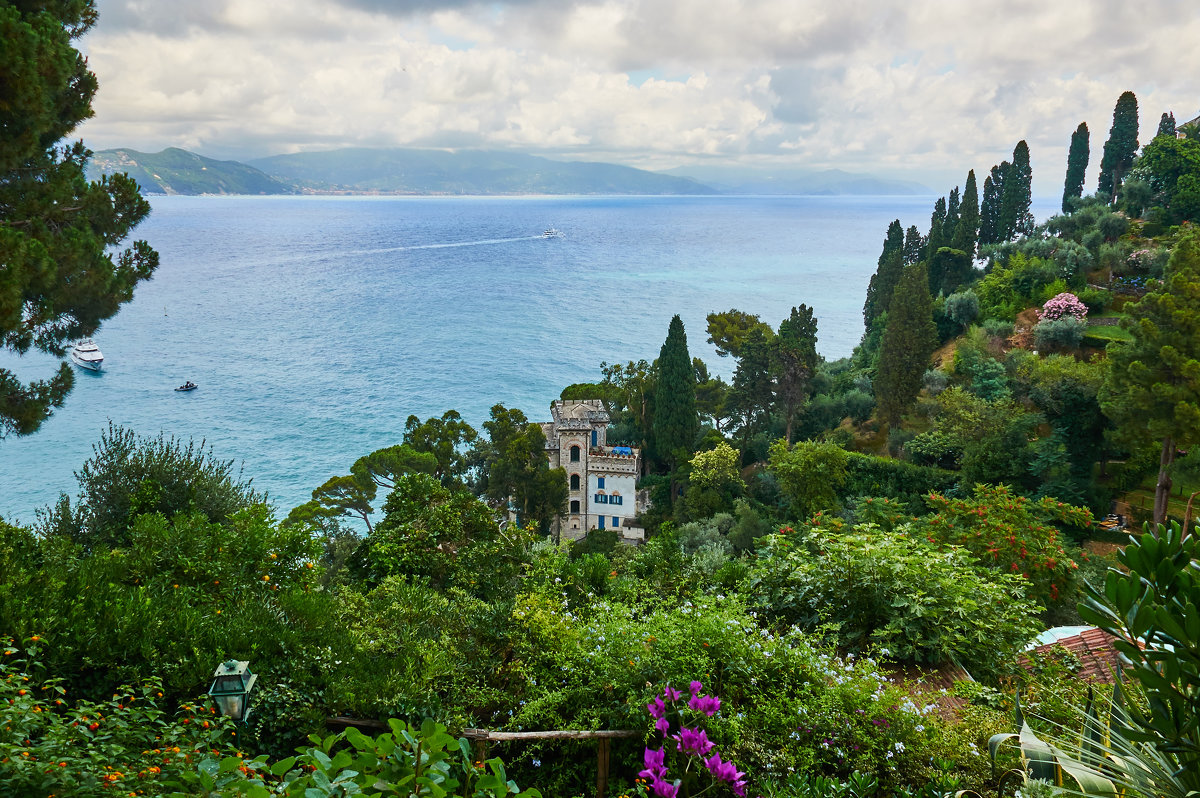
x=87 y=355
x=187 y=386
x=550 y=232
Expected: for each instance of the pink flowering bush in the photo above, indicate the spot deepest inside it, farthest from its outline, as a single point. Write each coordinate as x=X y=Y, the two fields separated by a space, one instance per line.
x=1061 y=306
x=687 y=754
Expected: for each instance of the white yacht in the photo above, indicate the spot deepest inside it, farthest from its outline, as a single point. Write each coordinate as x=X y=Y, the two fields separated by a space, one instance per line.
x=551 y=233
x=87 y=355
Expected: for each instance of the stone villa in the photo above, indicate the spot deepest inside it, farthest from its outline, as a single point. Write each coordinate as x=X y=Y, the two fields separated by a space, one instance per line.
x=603 y=478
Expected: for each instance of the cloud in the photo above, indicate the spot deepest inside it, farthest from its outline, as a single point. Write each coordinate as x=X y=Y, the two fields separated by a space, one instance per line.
x=926 y=89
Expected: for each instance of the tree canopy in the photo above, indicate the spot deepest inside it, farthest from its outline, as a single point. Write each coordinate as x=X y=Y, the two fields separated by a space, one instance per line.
x=1077 y=164
x=62 y=273
x=1121 y=146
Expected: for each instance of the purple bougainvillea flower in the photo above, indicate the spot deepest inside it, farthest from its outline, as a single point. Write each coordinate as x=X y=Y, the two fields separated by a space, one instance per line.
x=693 y=741
x=705 y=703
x=664 y=789
x=655 y=762
x=696 y=687
x=671 y=694
x=663 y=725
x=726 y=772
x=656 y=708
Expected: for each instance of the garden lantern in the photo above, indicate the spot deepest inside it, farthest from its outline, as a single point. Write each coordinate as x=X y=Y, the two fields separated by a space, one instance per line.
x=231 y=687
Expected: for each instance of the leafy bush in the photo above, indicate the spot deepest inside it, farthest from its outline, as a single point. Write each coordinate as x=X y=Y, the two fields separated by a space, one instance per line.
x=882 y=476
x=52 y=744
x=1059 y=335
x=1011 y=534
x=963 y=307
x=128 y=476
x=912 y=601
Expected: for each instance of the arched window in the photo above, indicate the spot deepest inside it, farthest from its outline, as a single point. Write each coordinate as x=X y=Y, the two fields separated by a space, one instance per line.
x=574 y=454
x=574 y=482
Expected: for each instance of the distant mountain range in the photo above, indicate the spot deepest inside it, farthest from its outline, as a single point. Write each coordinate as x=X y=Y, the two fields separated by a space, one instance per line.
x=486 y=172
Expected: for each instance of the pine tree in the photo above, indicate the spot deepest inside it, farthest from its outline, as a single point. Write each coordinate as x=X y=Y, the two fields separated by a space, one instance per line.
x=887 y=273
x=967 y=231
x=1121 y=146
x=989 y=216
x=1015 y=218
x=750 y=395
x=795 y=359
x=908 y=342
x=1152 y=390
x=1077 y=164
x=675 y=420
x=60 y=272
x=1166 y=125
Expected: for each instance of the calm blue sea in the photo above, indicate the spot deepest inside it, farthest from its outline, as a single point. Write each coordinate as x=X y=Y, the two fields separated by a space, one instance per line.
x=315 y=325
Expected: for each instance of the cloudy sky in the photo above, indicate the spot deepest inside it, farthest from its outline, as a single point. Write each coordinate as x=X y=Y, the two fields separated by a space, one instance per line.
x=921 y=89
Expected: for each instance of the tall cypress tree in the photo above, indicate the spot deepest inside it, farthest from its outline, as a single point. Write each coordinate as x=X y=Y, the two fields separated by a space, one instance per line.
x=937 y=222
x=1121 y=146
x=887 y=273
x=908 y=341
x=675 y=420
x=1166 y=125
x=951 y=223
x=989 y=215
x=967 y=231
x=1077 y=164
x=1015 y=218
x=914 y=245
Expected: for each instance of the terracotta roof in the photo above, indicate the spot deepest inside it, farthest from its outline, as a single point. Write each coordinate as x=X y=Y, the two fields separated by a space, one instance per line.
x=1094 y=649
x=934 y=684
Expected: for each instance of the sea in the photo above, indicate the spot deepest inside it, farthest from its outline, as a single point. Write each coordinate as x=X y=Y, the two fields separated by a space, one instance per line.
x=315 y=326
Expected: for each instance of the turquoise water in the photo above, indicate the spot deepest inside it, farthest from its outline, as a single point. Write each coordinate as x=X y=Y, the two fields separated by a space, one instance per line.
x=315 y=325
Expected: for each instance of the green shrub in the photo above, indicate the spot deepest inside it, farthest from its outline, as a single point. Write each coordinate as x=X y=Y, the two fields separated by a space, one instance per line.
x=128 y=476
x=1058 y=335
x=911 y=601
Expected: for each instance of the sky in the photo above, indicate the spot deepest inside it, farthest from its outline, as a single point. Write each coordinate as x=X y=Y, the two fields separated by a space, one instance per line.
x=921 y=90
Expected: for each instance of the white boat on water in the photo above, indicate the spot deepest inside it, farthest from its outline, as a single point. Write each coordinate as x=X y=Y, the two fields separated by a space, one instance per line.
x=551 y=233
x=87 y=355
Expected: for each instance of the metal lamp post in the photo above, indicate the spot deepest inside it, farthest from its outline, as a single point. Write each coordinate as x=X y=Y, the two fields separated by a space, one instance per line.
x=231 y=688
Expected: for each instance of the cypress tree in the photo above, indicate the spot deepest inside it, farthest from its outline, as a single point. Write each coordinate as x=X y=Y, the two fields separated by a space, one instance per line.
x=989 y=215
x=908 y=341
x=1166 y=125
x=914 y=245
x=1015 y=218
x=951 y=223
x=887 y=273
x=1121 y=146
x=1077 y=164
x=937 y=222
x=967 y=231
x=675 y=420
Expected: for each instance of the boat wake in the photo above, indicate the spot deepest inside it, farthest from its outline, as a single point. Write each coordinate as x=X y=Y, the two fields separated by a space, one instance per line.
x=480 y=243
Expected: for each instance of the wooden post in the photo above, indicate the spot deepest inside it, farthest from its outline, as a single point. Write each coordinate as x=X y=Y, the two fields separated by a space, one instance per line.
x=602 y=753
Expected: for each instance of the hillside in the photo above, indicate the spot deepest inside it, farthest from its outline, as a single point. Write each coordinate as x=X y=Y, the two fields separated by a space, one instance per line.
x=413 y=171
x=176 y=171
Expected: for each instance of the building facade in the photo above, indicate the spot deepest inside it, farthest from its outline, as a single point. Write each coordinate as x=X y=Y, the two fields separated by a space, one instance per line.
x=602 y=479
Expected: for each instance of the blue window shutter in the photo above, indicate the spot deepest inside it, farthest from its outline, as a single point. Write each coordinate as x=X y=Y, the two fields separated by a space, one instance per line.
x=594 y=438
x=616 y=522
x=602 y=522
x=600 y=483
